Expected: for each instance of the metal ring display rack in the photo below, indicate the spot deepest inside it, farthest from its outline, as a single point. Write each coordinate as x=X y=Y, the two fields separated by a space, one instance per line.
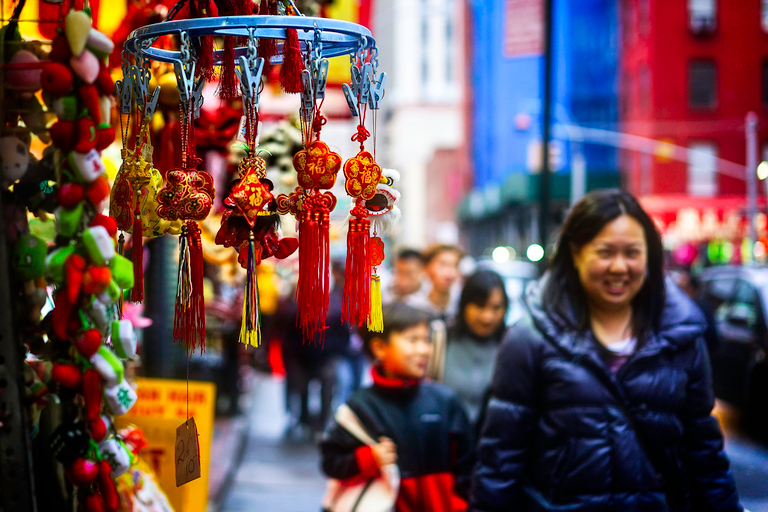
x=337 y=37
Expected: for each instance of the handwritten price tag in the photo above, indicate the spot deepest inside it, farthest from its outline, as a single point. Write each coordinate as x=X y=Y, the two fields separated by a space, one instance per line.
x=187 y=453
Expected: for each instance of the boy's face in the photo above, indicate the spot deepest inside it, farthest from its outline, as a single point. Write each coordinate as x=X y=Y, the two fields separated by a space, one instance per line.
x=406 y=354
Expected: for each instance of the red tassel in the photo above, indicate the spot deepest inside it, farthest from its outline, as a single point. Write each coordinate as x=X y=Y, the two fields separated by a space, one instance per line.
x=357 y=292
x=137 y=293
x=202 y=9
x=189 y=317
x=205 y=59
x=290 y=71
x=313 y=286
x=227 y=83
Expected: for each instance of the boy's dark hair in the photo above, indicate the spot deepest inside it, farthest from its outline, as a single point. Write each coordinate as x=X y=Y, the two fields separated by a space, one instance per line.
x=410 y=254
x=398 y=317
x=436 y=250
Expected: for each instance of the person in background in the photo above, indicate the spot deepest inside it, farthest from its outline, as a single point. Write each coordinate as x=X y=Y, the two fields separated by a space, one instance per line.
x=691 y=286
x=602 y=397
x=473 y=340
x=419 y=424
x=439 y=297
x=330 y=364
x=407 y=276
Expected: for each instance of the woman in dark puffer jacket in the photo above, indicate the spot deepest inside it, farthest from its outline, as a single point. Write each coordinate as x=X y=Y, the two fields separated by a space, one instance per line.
x=602 y=398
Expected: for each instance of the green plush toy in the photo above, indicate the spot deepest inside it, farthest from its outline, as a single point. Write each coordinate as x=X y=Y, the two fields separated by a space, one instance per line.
x=30 y=257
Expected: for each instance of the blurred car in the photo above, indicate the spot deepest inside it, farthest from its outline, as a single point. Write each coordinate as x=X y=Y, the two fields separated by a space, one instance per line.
x=516 y=275
x=738 y=299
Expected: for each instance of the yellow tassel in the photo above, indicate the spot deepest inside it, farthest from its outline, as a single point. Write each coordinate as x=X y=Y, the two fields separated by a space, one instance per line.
x=376 y=317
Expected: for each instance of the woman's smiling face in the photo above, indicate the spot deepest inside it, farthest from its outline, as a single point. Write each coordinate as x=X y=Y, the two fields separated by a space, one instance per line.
x=612 y=266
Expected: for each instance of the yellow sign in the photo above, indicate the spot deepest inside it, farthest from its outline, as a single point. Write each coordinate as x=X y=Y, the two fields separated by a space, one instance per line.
x=161 y=408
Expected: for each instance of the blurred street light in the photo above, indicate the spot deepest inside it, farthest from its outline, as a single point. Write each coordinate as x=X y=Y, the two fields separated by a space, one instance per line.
x=535 y=252
x=762 y=170
x=500 y=254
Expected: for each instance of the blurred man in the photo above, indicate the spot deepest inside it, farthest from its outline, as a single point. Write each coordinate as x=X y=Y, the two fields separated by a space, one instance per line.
x=440 y=297
x=407 y=276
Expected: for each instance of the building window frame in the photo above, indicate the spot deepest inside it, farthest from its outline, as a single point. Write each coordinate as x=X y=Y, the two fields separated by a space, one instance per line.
x=702 y=172
x=702 y=72
x=764 y=15
x=702 y=16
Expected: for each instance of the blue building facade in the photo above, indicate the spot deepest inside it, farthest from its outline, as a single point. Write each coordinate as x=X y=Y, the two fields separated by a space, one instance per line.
x=506 y=91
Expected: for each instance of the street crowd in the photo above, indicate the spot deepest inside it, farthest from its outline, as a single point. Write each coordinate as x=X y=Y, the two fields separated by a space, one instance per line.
x=599 y=399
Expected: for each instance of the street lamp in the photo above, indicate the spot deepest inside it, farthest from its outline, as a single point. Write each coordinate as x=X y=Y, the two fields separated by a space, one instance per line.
x=762 y=174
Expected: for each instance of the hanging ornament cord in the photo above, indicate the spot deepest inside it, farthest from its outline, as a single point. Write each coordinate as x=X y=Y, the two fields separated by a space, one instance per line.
x=250 y=328
x=313 y=290
x=356 y=305
x=189 y=317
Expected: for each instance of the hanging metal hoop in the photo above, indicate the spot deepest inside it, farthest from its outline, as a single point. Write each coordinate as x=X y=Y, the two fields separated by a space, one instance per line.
x=337 y=37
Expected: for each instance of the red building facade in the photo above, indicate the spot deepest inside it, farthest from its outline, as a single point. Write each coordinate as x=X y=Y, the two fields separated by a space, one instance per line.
x=691 y=70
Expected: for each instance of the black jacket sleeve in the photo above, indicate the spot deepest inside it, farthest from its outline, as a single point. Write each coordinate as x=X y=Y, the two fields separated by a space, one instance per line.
x=712 y=484
x=462 y=449
x=337 y=453
x=509 y=421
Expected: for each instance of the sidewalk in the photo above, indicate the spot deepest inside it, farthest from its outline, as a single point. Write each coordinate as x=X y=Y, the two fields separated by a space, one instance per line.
x=274 y=475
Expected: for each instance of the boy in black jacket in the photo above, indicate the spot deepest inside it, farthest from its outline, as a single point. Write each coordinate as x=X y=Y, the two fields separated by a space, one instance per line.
x=419 y=424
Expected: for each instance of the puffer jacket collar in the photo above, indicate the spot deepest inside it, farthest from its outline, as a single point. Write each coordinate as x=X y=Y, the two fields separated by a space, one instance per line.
x=681 y=323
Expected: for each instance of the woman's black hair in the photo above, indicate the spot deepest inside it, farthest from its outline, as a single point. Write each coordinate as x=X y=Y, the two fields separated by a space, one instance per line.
x=398 y=317
x=563 y=293
x=477 y=289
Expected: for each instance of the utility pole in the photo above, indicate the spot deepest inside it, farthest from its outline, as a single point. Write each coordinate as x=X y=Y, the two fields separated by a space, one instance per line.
x=546 y=120
x=751 y=169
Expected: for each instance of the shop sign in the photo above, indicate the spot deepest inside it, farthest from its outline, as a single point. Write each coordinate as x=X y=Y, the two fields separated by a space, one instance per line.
x=161 y=408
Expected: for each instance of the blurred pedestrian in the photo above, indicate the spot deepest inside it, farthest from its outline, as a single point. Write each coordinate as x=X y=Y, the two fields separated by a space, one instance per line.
x=474 y=338
x=407 y=276
x=440 y=295
x=420 y=425
x=691 y=285
x=602 y=397
x=329 y=361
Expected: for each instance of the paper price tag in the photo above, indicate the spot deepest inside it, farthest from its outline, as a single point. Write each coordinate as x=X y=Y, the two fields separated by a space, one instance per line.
x=243 y=128
x=187 y=453
x=146 y=152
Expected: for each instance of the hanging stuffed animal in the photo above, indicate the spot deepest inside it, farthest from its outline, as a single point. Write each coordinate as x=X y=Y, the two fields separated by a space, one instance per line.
x=251 y=224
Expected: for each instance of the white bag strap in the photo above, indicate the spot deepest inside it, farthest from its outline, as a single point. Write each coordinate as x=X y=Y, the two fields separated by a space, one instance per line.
x=348 y=420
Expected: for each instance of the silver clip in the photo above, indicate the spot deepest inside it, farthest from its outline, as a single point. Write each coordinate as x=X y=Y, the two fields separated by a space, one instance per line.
x=185 y=78
x=124 y=91
x=197 y=96
x=351 y=99
x=249 y=76
x=151 y=104
x=320 y=78
x=365 y=90
x=377 y=91
x=307 y=95
x=356 y=76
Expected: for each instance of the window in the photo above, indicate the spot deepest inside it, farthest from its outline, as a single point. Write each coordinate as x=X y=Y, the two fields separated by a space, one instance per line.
x=702 y=84
x=702 y=169
x=765 y=83
x=702 y=16
x=764 y=14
